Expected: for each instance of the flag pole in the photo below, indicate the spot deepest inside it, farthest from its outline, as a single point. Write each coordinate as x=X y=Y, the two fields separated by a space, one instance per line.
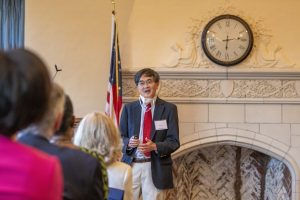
x=114 y=92
x=116 y=46
x=113 y=6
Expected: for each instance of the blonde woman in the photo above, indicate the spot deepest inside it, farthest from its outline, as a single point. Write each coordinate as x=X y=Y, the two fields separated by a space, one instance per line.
x=97 y=132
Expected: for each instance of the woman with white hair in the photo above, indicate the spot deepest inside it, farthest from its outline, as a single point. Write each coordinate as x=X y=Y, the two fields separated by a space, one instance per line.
x=97 y=132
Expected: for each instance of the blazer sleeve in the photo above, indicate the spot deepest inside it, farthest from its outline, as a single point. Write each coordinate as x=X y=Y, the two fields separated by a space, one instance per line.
x=124 y=131
x=124 y=127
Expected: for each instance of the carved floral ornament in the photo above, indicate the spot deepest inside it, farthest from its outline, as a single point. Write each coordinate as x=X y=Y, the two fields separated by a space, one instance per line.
x=207 y=89
x=265 y=53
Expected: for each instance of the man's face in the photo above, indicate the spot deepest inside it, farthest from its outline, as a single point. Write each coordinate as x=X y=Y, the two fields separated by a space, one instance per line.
x=147 y=87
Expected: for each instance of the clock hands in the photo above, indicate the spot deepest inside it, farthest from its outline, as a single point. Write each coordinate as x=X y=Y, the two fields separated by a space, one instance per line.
x=229 y=39
x=226 y=47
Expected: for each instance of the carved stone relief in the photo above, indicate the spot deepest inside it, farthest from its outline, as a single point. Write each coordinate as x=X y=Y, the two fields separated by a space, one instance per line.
x=227 y=87
x=265 y=53
x=257 y=89
x=129 y=88
x=222 y=88
x=189 y=88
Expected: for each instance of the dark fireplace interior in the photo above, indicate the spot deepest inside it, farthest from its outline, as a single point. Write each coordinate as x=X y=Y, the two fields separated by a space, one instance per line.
x=226 y=172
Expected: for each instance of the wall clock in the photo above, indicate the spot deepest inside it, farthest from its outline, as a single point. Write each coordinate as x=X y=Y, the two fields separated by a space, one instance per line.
x=227 y=40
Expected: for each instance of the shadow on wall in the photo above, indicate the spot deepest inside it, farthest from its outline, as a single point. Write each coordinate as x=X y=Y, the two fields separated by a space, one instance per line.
x=229 y=172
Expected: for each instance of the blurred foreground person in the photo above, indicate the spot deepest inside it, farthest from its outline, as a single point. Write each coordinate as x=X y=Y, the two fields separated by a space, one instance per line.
x=97 y=132
x=82 y=172
x=25 y=86
x=64 y=135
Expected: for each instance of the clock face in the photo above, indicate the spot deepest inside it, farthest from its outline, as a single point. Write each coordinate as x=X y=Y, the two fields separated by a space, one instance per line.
x=227 y=40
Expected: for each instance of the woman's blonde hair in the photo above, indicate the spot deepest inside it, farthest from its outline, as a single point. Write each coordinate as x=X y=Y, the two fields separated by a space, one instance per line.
x=97 y=132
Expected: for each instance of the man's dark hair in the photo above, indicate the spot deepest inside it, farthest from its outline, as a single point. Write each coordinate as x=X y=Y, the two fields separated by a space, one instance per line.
x=146 y=72
x=68 y=118
x=25 y=88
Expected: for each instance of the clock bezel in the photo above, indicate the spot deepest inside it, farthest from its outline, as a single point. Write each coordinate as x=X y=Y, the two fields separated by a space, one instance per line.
x=211 y=56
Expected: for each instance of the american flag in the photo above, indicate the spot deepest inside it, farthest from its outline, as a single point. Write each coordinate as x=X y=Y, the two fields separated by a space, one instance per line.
x=114 y=91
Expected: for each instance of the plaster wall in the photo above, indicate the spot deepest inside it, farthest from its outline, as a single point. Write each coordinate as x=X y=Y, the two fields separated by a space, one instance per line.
x=76 y=36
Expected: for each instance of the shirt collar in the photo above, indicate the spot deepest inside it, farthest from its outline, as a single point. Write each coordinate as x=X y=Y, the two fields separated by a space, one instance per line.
x=144 y=101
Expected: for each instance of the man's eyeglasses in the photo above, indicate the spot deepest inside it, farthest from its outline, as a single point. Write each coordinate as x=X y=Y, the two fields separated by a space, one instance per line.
x=147 y=82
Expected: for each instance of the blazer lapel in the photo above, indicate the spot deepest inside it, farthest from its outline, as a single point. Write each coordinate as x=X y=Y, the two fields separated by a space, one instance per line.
x=137 y=117
x=159 y=109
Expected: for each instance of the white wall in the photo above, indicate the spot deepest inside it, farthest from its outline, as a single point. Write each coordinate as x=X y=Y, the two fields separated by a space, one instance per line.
x=76 y=36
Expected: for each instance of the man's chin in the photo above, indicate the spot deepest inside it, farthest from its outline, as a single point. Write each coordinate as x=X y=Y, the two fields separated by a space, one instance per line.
x=147 y=96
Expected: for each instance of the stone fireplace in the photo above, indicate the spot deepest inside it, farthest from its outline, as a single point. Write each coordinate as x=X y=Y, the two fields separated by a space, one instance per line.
x=229 y=172
x=239 y=131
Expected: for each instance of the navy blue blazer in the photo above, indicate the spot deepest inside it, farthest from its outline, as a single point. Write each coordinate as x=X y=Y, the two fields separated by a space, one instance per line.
x=82 y=172
x=167 y=140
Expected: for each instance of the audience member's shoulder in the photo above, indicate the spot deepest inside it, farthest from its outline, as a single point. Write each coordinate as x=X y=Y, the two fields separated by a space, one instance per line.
x=39 y=154
x=41 y=159
x=120 y=165
x=119 y=170
x=78 y=154
x=29 y=154
x=94 y=154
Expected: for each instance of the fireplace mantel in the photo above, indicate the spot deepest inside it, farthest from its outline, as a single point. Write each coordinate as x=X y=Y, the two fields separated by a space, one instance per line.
x=221 y=73
x=223 y=85
x=253 y=108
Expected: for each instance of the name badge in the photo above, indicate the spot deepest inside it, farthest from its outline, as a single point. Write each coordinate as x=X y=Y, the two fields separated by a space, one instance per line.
x=161 y=124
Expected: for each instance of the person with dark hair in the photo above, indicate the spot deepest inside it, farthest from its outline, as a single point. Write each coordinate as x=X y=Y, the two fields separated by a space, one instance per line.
x=82 y=172
x=64 y=135
x=150 y=133
x=25 y=85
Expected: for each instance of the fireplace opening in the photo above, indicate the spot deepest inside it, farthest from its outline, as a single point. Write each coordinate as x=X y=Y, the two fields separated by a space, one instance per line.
x=229 y=172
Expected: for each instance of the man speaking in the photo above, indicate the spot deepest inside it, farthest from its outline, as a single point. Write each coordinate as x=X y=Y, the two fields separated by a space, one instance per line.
x=149 y=128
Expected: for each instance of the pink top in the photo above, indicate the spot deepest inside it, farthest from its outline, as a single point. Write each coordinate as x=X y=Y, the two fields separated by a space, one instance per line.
x=28 y=174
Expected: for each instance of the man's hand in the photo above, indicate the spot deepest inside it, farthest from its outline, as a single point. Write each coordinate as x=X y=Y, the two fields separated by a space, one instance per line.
x=147 y=147
x=133 y=142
